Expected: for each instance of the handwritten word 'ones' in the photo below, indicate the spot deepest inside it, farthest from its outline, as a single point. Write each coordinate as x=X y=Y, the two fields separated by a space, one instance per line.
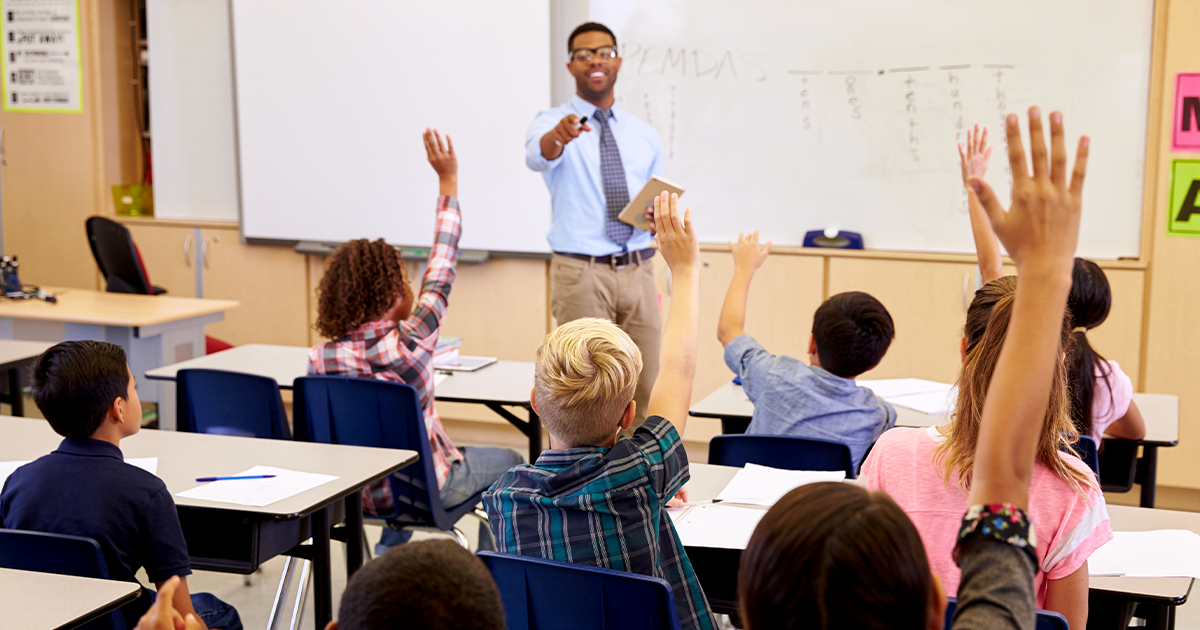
x=695 y=63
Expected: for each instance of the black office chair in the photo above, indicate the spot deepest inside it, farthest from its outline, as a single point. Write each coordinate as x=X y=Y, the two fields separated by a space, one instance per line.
x=118 y=258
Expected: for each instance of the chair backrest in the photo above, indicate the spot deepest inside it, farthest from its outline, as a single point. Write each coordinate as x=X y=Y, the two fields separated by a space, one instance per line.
x=372 y=412
x=780 y=451
x=229 y=403
x=118 y=258
x=541 y=594
x=57 y=553
x=1046 y=620
x=1089 y=452
x=1118 y=466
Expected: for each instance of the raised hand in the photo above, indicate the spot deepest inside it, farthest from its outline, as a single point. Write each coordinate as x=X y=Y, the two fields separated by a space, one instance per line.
x=1041 y=229
x=974 y=159
x=443 y=160
x=674 y=233
x=747 y=254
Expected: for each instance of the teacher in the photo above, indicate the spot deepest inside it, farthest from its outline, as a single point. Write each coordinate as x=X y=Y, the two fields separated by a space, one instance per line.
x=592 y=154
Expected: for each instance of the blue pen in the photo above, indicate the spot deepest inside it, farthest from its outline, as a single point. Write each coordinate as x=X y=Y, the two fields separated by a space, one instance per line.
x=232 y=478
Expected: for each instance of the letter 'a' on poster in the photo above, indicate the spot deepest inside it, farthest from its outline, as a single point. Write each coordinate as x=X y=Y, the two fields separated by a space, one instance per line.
x=39 y=56
x=1184 y=217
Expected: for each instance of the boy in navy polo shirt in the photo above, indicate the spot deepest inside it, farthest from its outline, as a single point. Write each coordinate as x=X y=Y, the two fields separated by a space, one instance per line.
x=85 y=488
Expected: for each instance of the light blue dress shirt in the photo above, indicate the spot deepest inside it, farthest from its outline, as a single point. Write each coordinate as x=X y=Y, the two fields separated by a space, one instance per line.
x=791 y=398
x=576 y=189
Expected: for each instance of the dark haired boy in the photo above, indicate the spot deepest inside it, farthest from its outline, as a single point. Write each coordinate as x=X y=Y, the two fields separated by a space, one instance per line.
x=85 y=488
x=851 y=332
x=431 y=585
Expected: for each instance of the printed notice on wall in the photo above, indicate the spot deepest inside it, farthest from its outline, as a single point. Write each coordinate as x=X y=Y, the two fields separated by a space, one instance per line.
x=40 y=64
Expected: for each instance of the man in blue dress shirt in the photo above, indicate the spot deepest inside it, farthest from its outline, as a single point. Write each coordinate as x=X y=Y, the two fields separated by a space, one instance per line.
x=594 y=157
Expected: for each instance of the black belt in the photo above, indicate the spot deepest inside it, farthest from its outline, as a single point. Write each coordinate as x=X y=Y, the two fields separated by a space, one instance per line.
x=616 y=261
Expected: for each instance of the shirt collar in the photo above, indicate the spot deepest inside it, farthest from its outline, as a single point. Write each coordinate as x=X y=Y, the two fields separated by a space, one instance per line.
x=584 y=108
x=90 y=448
x=379 y=327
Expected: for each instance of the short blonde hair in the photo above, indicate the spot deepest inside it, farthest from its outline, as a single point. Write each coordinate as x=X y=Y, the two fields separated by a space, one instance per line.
x=584 y=378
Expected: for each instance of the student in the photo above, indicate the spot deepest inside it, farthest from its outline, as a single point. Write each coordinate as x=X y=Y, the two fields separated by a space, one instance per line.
x=379 y=331
x=850 y=334
x=84 y=488
x=593 y=498
x=840 y=556
x=1101 y=395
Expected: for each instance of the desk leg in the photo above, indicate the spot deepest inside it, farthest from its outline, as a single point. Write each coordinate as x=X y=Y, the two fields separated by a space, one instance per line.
x=14 y=390
x=354 y=534
x=1149 y=474
x=322 y=573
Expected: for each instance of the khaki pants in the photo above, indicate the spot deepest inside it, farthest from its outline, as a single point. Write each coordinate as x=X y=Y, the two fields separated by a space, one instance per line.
x=628 y=297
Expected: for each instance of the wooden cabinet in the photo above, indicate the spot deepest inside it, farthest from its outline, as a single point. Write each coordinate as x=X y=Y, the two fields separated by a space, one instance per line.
x=269 y=281
x=169 y=254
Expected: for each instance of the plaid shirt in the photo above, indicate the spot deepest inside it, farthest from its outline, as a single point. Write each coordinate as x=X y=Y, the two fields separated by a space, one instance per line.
x=402 y=352
x=604 y=506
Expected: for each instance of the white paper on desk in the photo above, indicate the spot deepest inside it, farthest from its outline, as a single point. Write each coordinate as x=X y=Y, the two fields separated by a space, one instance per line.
x=1159 y=553
x=761 y=485
x=930 y=402
x=7 y=468
x=716 y=525
x=886 y=388
x=258 y=492
x=148 y=464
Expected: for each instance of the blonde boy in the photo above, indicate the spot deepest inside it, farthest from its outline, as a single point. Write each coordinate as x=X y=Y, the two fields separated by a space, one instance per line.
x=593 y=498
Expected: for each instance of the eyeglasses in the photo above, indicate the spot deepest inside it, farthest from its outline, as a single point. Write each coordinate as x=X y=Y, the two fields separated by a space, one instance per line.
x=585 y=55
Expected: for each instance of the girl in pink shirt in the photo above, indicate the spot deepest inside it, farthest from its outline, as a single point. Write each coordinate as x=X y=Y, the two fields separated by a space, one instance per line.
x=928 y=471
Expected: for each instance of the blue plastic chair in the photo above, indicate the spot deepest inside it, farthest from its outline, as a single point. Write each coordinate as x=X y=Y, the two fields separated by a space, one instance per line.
x=540 y=594
x=780 y=451
x=1089 y=452
x=229 y=403
x=382 y=414
x=61 y=554
x=1046 y=620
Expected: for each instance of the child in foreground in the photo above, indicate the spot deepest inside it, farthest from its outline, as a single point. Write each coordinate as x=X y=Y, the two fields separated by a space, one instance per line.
x=850 y=334
x=1101 y=394
x=593 y=498
x=840 y=556
x=85 y=488
x=378 y=330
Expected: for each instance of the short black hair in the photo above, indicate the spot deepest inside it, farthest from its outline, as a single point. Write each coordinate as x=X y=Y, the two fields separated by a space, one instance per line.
x=432 y=584
x=75 y=383
x=588 y=27
x=853 y=331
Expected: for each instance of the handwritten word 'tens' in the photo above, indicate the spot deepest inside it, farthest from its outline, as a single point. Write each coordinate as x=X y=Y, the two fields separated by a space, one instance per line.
x=683 y=62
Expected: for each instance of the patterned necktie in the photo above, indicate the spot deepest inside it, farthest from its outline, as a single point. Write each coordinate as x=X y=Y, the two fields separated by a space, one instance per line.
x=616 y=188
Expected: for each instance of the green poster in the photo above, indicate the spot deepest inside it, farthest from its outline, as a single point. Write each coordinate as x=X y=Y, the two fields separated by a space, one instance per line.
x=1184 y=217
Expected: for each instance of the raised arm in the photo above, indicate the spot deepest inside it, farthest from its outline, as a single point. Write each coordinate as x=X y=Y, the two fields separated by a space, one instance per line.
x=1040 y=231
x=431 y=304
x=443 y=160
x=747 y=258
x=677 y=242
x=974 y=163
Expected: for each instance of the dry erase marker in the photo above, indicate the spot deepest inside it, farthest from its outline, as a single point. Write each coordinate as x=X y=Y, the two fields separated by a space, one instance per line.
x=233 y=478
x=583 y=121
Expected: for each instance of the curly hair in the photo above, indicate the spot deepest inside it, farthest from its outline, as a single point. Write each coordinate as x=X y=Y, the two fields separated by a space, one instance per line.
x=361 y=283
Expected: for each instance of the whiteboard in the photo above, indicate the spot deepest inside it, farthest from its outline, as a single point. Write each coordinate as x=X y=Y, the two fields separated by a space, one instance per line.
x=787 y=116
x=332 y=98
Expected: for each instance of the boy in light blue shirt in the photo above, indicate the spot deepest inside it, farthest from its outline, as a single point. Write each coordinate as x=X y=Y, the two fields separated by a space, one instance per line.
x=851 y=332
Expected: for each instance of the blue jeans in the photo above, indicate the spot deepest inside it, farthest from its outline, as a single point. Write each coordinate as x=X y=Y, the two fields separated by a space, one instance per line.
x=478 y=469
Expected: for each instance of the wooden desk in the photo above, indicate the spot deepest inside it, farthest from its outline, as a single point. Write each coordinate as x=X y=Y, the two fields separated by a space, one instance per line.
x=14 y=357
x=716 y=569
x=1161 y=411
x=48 y=601
x=153 y=330
x=497 y=386
x=238 y=538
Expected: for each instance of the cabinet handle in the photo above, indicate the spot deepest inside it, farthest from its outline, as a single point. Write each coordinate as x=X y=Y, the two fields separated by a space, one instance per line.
x=187 y=250
x=204 y=248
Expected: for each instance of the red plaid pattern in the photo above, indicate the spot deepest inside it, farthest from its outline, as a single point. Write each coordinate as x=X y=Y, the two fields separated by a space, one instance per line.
x=403 y=352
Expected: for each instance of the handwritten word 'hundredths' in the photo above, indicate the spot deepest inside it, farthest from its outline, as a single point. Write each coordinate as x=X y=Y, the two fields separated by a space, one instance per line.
x=695 y=63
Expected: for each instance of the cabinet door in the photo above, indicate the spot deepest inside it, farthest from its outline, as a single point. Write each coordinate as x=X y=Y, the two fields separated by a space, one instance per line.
x=268 y=281
x=169 y=254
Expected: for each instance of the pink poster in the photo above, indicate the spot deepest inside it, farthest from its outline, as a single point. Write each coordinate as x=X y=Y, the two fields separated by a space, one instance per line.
x=1185 y=134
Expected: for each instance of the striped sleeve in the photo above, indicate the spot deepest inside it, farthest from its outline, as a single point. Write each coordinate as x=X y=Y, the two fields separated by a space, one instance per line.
x=430 y=306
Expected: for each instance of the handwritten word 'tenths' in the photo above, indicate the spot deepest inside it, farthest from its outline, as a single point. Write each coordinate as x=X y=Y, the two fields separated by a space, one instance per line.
x=695 y=63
